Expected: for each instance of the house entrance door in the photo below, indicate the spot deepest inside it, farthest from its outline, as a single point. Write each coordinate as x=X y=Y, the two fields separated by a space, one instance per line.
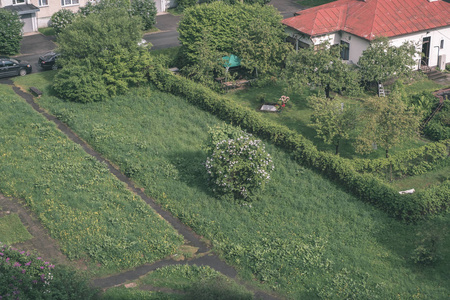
x=425 y=50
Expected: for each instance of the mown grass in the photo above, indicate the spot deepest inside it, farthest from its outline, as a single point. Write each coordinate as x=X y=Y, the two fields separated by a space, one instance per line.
x=91 y=213
x=304 y=236
x=12 y=230
x=181 y=282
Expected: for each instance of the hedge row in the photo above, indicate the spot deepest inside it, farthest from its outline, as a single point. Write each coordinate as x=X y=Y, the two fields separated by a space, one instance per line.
x=408 y=163
x=365 y=186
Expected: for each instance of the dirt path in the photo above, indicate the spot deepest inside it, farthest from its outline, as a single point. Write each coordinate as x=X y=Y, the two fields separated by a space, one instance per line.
x=204 y=255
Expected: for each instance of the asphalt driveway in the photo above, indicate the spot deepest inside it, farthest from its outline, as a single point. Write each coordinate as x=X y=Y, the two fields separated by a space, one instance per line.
x=33 y=46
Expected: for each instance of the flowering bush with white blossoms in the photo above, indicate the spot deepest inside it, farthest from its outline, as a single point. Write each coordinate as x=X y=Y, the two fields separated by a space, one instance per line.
x=238 y=164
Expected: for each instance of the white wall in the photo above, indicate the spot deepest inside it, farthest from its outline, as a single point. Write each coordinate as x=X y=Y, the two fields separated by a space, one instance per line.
x=436 y=36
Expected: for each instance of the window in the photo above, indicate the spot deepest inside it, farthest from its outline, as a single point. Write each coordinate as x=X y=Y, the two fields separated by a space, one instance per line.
x=442 y=44
x=18 y=2
x=69 y=2
x=345 y=50
x=43 y=2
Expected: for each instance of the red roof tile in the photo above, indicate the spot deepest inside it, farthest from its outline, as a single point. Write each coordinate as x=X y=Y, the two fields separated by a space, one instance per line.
x=371 y=18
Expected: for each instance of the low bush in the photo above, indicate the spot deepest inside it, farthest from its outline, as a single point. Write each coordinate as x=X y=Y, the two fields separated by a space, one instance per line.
x=80 y=84
x=408 y=163
x=365 y=186
x=26 y=276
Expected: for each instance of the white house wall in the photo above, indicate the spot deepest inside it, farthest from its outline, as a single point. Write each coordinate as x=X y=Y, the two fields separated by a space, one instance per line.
x=357 y=46
x=436 y=36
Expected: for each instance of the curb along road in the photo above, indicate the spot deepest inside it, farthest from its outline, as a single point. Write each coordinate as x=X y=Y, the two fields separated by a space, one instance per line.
x=191 y=238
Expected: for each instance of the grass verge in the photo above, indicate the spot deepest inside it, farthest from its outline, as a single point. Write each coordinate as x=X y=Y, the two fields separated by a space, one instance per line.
x=12 y=230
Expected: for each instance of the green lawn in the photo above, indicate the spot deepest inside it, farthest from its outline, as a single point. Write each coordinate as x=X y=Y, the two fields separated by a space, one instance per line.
x=304 y=236
x=297 y=116
x=91 y=213
x=12 y=230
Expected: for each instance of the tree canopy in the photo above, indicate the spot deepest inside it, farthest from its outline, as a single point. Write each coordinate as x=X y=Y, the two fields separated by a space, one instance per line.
x=10 y=32
x=381 y=61
x=252 y=32
x=332 y=120
x=386 y=121
x=322 y=68
x=103 y=49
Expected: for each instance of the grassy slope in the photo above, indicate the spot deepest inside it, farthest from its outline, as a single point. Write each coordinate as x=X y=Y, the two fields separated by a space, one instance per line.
x=304 y=237
x=12 y=230
x=91 y=213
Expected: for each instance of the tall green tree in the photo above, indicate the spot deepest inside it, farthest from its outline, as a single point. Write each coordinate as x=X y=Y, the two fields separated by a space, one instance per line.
x=381 y=61
x=10 y=32
x=322 y=68
x=386 y=121
x=332 y=120
x=104 y=44
x=253 y=32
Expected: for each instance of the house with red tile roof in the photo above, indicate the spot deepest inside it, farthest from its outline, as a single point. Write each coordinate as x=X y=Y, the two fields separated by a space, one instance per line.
x=355 y=23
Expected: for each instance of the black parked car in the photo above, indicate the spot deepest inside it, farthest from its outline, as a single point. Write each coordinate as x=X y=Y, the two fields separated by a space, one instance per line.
x=13 y=67
x=48 y=61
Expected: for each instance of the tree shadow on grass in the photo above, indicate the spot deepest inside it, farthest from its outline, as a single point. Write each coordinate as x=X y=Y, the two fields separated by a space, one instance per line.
x=191 y=169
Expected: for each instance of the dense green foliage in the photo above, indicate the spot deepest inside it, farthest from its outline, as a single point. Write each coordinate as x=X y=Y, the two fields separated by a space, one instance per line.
x=235 y=29
x=10 y=32
x=79 y=84
x=61 y=19
x=332 y=120
x=381 y=61
x=387 y=121
x=408 y=163
x=90 y=212
x=305 y=237
x=237 y=163
x=321 y=67
x=439 y=127
x=144 y=10
x=25 y=276
x=100 y=53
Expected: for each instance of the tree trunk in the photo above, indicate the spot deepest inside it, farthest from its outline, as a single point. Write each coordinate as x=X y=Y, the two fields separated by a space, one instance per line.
x=337 y=148
x=327 y=91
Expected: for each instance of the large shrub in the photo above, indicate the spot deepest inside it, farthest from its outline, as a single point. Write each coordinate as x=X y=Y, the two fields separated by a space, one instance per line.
x=439 y=127
x=252 y=32
x=25 y=276
x=101 y=51
x=10 y=32
x=80 y=84
x=143 y=9
x=146 y=10
x=61 y=19
x=238 y=164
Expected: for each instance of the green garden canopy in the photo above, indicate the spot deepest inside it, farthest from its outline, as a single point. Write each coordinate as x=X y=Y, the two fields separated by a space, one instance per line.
x=231 y=61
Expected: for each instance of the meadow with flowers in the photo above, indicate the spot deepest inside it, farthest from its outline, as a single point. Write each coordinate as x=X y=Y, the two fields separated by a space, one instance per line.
x=303 y=237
